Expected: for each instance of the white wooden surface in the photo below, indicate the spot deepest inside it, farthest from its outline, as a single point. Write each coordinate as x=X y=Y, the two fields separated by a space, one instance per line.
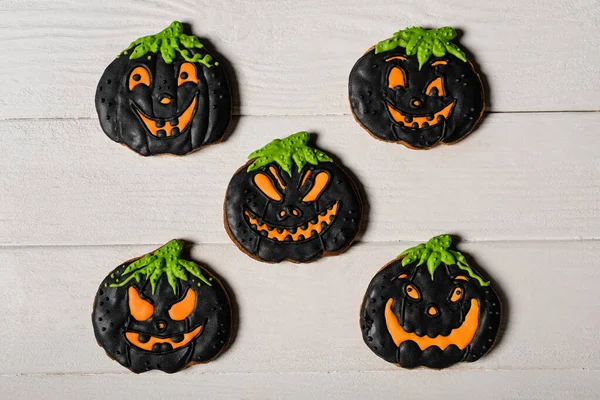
x=523 y=191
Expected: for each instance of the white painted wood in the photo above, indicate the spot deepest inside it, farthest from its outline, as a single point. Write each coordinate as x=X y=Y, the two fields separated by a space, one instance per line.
x=451 y=385
x=520 y=176
x=294 y=57
x=301 y=318
x=524 y=190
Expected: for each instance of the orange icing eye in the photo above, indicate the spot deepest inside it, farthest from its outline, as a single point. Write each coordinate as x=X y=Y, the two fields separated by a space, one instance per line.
x=140 y=309
x=181 y=310
x=402 y=276
x=264 y=183
x=457 y=294
x=412 y=292
x=461 y=278
x=320 y=182
x=139 y=76
x=437 y=84
x=396 y=78
x=187 y=73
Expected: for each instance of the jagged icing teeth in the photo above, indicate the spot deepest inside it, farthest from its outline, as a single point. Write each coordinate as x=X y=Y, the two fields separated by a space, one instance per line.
x=148 y=342
x=295 y=234
x=409 y=120
x=170 y=128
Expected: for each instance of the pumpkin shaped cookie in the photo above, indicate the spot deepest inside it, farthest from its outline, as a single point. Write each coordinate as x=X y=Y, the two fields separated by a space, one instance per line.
x=430 y=308
x=161 y=312
x=291 y=202
x=416 y=88
x=164 y=94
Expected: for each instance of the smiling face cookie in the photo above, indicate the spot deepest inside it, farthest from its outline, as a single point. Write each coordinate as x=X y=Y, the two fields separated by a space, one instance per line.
x=164 y=94
x=161 y=312
x=430 y=308
x=291 y=202
x=417 y=89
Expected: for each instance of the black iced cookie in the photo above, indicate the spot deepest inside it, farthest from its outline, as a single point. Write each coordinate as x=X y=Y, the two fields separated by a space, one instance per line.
x=430 y=308
x=161 y=312
x=416 y=88
x=291 y=202
x=164 y=94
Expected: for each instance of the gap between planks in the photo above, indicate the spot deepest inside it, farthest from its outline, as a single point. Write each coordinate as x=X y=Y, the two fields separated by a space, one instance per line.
x=299 y=115
x=356 y=242
x=188 y=371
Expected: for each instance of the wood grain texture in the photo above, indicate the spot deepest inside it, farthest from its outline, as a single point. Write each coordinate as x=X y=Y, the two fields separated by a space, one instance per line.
x=302 y=318
x=526 y=385
x=519 y=176
x=523 y=190
x=294 y=57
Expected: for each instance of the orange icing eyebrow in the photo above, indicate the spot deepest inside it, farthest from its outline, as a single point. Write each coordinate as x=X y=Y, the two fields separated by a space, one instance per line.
x=395 y=58
x=433 y=64
x=276 y=175
x=306 y=175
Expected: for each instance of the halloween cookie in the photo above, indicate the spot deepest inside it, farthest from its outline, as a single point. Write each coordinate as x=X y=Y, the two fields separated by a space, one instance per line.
x=416 y=88
x=430 y=308
x=291 y=202
x=161 y=312
x=165 y=93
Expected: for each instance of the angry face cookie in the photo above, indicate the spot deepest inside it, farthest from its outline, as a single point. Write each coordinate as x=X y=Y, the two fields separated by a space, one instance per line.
x=416 y=88
x=291 y=202
x=161 y=312
x=430 y=308
x=165 y=93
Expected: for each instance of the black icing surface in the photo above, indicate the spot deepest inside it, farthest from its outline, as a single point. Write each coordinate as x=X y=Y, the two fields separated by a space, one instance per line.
x=116 y=105
x=242 y=194
x=413 y=317
x=369 y=96
x=111 y=318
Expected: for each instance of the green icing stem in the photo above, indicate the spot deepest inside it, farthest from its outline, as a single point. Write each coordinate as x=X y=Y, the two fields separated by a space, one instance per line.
x=424 y=43
x=286 y=152
x=436 y=251
x=164 y=261
x=169 y=42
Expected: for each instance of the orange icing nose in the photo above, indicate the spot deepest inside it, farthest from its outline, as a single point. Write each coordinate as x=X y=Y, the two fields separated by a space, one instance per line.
x=165 y=100
x=161 y=326
x=432 y=310
x=416 y=103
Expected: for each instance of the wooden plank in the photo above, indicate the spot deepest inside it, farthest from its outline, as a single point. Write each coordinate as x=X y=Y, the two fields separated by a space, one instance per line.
x=294 y=57
x=301 y=318
x=520 y=176
x=420 y=384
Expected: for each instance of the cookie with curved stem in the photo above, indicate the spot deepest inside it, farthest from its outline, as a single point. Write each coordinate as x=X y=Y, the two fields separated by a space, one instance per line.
x=416 y=88
x=430 y=308
x=291 y=202
x=161 y=311
x=165 y=93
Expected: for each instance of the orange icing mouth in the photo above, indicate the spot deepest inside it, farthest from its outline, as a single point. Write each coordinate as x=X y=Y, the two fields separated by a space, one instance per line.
x=134 y=339
x=325 y=218
x=170 y=130
x=420 y=120
x=460 y=337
